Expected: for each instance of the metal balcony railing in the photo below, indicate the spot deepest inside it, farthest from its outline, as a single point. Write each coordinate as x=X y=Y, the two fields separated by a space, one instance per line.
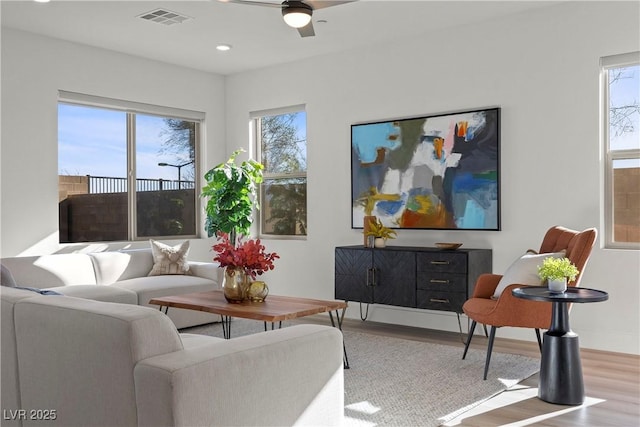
x=106 y=184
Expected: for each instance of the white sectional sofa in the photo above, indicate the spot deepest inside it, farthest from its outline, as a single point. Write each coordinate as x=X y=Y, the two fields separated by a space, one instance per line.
x=77 y=362
x=116 y=276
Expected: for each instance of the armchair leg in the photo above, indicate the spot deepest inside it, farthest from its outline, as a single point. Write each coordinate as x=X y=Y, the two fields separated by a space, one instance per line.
x=539 y=339
x=486 y=334
x=492 y=335
x=466 y=345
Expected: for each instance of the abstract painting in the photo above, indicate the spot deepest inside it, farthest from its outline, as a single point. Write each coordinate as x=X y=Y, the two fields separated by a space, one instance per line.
x=432 y=172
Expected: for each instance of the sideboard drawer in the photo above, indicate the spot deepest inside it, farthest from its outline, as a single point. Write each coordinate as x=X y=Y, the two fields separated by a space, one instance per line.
x=453 y=262
x=435 y=281
x=448 y=301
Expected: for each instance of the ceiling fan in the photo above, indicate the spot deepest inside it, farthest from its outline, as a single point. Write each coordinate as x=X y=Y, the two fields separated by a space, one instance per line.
x=296 y=14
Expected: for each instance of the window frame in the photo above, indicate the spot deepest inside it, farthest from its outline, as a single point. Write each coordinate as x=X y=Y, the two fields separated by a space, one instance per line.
x=131 y=109
x=256 y=136
x=610 y=155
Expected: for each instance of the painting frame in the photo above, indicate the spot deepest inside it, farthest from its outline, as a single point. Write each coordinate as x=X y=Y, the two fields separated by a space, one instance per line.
x=431 y=172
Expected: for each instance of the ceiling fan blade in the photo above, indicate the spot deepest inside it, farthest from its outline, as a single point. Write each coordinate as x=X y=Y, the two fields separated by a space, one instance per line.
x=307 y=30
x=321 y=4
x=253 y=3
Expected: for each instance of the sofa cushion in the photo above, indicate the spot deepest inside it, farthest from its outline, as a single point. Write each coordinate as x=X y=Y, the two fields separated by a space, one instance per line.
x=10 y=389
x=169 y=259
x=51 y=270
x=113 y=266
x=99 y=293
x=177 y=389
x=154 y=286
x=160 y=286
x=196 y=340
x=208 y=270
x=14 y=295
x=87 y=350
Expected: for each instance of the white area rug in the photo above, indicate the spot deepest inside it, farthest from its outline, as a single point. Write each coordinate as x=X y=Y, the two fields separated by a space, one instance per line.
x=397 y=382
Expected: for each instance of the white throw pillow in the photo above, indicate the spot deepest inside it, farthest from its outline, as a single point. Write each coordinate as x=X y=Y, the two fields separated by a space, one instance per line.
x=169 y=259
x=524 y=271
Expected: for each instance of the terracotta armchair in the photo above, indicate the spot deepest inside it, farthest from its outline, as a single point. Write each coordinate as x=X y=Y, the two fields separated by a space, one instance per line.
x=508 y=310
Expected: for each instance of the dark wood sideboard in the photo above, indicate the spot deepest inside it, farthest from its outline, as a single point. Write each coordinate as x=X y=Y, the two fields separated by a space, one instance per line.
x=407 y=276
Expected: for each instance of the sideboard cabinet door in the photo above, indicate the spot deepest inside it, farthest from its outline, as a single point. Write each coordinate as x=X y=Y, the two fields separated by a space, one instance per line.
x=354 y=274
x=395 y=278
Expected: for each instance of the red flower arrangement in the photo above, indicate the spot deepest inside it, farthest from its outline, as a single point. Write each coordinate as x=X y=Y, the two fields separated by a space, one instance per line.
x=249 y=255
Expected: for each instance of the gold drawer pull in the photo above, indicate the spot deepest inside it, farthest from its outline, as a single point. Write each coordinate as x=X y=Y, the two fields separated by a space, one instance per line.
x=440 y=262
x=439 y=281
x=446 y=301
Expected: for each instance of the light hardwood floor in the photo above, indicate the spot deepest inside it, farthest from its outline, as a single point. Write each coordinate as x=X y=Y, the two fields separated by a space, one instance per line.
x=611 y=380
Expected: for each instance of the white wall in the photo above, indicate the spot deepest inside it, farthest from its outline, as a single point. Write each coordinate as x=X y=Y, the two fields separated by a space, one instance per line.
x=34 y=68
x=541 y=68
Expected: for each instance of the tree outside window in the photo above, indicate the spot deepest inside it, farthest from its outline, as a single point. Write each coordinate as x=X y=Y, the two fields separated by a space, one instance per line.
x=282 y=143
x=621 y=90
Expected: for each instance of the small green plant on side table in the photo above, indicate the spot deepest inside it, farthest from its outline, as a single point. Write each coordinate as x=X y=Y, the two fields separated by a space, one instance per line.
x=556 y=271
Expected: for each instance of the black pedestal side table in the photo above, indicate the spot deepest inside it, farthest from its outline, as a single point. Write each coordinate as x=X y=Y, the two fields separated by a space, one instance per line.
x=560 y=367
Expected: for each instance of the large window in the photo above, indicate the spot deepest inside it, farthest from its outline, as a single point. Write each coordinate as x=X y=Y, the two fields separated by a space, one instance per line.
x=126 y=171
x=281 y=137
x=621 y=134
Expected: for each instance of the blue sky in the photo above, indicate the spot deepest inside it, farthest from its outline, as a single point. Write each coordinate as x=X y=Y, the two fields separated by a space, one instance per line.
x=92 y=141
x=624 y=92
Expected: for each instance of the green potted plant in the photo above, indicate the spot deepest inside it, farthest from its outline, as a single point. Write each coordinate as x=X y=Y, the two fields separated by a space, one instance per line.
x=556 y=271
x=380 y=233
x=231 y=189
x=232 y=193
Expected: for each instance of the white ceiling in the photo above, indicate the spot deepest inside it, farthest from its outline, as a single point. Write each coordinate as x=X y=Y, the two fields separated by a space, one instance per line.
x=259 y=36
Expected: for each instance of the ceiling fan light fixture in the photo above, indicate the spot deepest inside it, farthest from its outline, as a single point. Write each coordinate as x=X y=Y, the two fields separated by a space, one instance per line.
x=297 y=14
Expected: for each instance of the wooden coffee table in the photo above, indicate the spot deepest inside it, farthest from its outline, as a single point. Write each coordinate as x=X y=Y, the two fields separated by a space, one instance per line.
x=274 y=309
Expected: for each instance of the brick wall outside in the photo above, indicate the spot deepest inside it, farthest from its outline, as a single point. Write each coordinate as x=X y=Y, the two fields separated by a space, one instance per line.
x=626 y=209
x=103 y=217
x=69 y=185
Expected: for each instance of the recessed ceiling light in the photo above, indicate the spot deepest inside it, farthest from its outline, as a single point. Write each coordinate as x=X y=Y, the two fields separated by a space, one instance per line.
x=223 y=47
x=42 y=1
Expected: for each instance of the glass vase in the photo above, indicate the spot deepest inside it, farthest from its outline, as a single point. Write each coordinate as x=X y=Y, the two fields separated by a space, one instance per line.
x=258 y=291
x=235 y=285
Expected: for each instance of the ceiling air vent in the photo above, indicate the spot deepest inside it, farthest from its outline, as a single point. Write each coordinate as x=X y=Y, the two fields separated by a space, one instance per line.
x=163 y=16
